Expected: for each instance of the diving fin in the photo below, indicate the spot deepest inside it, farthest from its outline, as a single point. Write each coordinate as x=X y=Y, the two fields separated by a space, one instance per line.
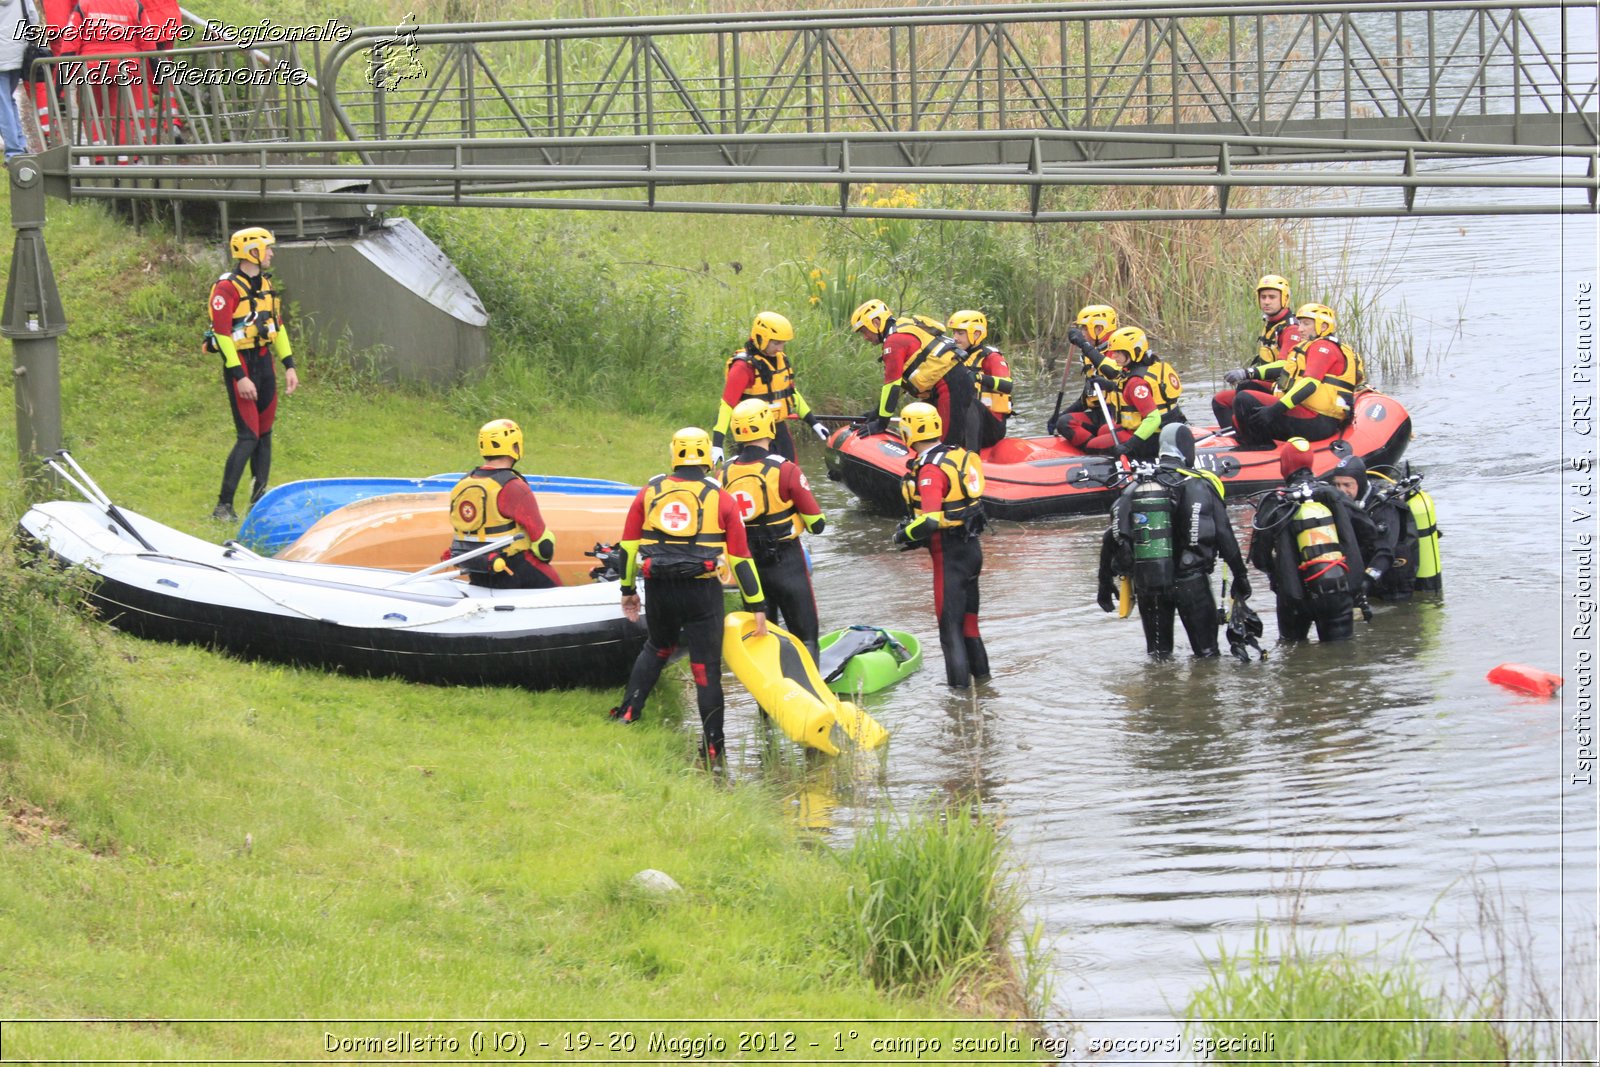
x=1124 y=596
x=1244 y=630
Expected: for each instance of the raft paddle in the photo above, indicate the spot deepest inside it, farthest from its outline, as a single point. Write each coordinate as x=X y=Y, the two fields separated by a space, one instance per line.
x=1066 y=372
x=97 y=497
x=1111 y=426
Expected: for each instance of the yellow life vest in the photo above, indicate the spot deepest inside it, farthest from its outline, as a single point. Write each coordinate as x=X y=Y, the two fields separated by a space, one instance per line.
x=774 y=379
x=476 y=518
x=1164 y=382
x=250 y=328
x=1335 y=393
x=1271 y=337
x=963 y=496
x=935 y=357
x=1316 y=534
x=754 y=487
x=682 y=534
x=998 y=403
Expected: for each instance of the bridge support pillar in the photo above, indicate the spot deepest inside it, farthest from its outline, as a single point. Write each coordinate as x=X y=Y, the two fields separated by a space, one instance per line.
x=389 y=291
x=33 y=318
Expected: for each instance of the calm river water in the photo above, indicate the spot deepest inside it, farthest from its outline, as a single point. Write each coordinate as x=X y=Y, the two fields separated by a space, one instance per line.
x=1161 y=810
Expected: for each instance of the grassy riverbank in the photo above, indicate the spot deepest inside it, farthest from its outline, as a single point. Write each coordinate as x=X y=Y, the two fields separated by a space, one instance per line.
x=189 y=835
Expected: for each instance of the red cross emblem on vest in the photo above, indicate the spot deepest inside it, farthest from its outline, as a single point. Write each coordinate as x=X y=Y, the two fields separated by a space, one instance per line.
x=675 y=516
x=747 y=504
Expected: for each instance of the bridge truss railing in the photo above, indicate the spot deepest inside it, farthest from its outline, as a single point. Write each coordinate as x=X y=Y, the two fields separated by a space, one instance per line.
x=1428 y=66
x=1157 y=94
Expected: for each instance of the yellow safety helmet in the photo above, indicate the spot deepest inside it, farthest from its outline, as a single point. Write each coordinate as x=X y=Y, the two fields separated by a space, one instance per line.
x=753 y=419
x=873 y=315
x=770 y=326
x=1099 y=321
x=502 y=437
x=691 y=447
x=250 y=243
x=920 y=422
x=1274 y=281
x=1130 y=339
x=1321 y=316
x=974 y=322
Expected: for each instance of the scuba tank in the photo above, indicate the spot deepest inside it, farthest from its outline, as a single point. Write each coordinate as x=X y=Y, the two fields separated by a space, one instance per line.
x=1316 y=537
x=1151 y=515
x=1430 y=572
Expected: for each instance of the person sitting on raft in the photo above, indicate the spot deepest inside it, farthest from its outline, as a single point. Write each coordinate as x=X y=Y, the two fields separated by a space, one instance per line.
x=1315 y=396
x=1279 y=335
x=1142 y=399
x=1096 y=323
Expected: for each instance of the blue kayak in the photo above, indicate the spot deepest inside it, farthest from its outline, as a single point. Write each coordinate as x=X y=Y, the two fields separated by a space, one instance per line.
x=285 y=512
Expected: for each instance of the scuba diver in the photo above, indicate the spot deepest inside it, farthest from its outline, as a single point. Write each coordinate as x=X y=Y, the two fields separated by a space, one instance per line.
x=1168 y=529
x=943 y=491
x=1389 y=518
x=1307 y=546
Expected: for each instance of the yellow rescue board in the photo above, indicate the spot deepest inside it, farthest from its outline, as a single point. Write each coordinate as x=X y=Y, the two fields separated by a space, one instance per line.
x=781 y=675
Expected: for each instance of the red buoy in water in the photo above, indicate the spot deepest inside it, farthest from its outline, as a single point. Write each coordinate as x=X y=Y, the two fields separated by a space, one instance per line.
x=1526 y=679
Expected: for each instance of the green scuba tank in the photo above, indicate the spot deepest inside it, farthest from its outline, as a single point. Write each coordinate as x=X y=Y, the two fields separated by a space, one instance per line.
x=1430 y=571
x=1151 y=512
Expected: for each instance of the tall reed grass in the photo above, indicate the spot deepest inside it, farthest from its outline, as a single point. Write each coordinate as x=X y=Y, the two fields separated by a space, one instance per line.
x=938 y=908
x=1340 y=1005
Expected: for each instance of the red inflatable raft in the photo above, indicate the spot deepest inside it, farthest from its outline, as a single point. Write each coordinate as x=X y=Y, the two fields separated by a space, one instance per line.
x=1040 y=477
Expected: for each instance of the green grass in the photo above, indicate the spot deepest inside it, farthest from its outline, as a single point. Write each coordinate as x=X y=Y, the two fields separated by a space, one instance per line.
x=1340 y=1006
x=937 y=907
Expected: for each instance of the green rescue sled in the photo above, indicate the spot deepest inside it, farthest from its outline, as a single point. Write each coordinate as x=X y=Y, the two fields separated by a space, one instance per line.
x=865 y=659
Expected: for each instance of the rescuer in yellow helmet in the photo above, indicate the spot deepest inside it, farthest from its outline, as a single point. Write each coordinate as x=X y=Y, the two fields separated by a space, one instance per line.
x=921 y=359
x=775 y=501
x=493 y=502
x=1279 y=334
x=247 y=331
x=990 y=371
x=943 y=493
x=677 y=527
x=761 y=370
x=1314 y=397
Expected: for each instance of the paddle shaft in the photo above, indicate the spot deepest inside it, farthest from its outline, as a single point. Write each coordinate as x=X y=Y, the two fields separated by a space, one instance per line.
x=453 y=561
x=1105 y=410
x=97 y=497
x=1061 y=394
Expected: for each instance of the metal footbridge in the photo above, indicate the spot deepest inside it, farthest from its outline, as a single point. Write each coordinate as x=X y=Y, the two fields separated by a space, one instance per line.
x=1216 y=110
